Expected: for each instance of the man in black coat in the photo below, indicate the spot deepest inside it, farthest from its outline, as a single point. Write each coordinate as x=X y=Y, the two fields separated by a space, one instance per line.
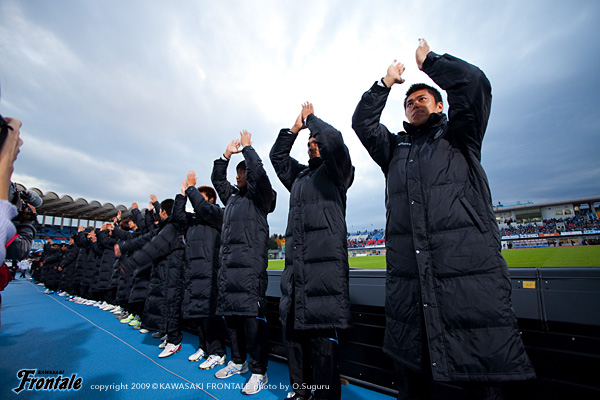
x=244 y=258
x=51 y=258
x=67 y=268
x=166 y=253
x=314 y=283
x=203 y=241
x=106 y=242
x=448 y=309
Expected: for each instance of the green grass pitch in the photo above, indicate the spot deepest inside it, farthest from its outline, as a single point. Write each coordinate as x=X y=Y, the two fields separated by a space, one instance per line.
x=577 y=256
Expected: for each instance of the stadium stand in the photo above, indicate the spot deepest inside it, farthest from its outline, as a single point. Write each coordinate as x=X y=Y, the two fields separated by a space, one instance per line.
x=366 y=238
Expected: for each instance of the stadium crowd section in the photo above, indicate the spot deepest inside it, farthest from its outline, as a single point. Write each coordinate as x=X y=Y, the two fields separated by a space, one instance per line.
x=366 y=238
x=572 y=224
x=376 y=237
x=56 y=233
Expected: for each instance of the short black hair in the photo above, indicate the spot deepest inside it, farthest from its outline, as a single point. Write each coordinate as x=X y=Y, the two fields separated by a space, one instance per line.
x=241 y=165
x=209 y=192
x=167 y=205
x=422 y=86
x=124 y=224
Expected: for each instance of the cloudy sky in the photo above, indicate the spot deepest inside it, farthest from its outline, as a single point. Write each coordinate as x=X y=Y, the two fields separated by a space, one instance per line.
x=120 y=98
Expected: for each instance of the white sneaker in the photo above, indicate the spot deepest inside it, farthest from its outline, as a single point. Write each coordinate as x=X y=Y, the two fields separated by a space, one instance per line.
x=197 y=356
x=169 y=350
x=137 y=326
x=117 y=310
x=212 y=361
x=144 y=330
x=232 y=369
x=98 y=304
x=162 y=344
x=255 y=384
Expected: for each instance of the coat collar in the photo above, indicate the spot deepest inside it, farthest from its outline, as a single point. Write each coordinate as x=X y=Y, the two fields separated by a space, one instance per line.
x=315 y=163
x=432 y=126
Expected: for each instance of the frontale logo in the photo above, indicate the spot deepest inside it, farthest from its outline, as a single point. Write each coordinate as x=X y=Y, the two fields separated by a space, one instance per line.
x=30 y=382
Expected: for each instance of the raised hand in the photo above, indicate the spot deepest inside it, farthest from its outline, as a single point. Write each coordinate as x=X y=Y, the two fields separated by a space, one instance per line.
x=307 y=109
x=153 y=198
x=422 y=52
x=8 y=155
x=394 y=74
x=245 y=138
x=232 y=148
x=81 y=228
x=299 y=124
x=191 y=178
x=134 y=205
x=184 y=185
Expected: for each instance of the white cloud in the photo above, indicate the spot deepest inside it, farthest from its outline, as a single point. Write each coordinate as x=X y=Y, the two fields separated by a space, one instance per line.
x=119 y=99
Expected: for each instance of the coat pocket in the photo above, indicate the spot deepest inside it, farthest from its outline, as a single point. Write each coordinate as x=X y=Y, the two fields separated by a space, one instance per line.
x=473 y=215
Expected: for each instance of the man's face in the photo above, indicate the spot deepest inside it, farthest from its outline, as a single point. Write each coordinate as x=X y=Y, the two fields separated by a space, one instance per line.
x=420 y=105
x=241 y=178
x=163 y=215
x=313 y=148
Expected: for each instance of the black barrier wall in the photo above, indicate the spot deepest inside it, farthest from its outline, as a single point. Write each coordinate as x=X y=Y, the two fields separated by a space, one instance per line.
x=558 y=311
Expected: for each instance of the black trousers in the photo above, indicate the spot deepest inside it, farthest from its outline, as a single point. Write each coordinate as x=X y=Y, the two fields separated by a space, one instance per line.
x=313 y=361
x=174 y=335
x=136 y=308
x=249 y=335
x=211 y=334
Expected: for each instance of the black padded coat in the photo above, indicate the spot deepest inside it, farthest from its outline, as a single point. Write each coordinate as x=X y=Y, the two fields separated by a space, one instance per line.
x=244 y=253
x=443 y=245
x=166 y=253
x=203 y=241
x=316 y=256
x=68 y=266
x=105 y=244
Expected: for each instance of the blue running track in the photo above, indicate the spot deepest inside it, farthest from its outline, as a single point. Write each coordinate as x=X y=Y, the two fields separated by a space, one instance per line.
x=55 y=337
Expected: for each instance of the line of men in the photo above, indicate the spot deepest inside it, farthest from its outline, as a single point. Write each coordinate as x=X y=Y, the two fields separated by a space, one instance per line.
x=448 y=310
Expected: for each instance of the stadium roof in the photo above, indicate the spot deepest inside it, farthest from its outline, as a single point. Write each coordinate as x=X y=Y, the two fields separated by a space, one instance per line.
x=573 y=201
x=66 y=207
